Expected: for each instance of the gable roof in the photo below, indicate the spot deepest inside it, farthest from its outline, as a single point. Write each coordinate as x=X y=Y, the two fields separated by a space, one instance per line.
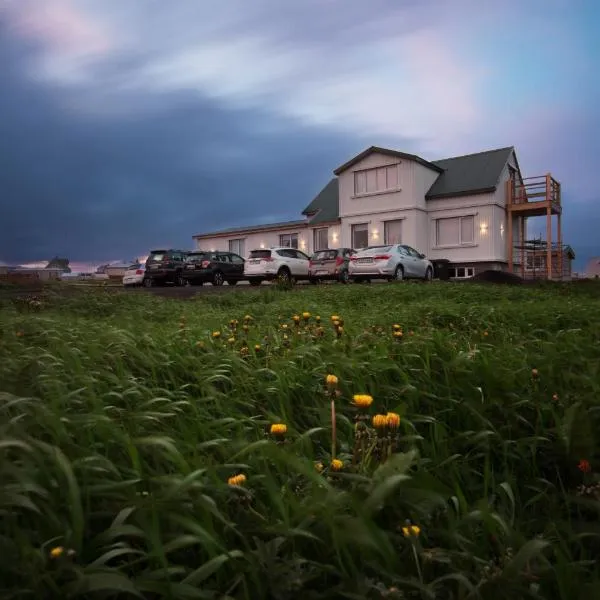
x=386 y=152
x=252 y=228
x=326 y=205
x=470 y=174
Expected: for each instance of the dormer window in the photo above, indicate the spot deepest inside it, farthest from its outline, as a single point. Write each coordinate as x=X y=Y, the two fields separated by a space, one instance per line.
x=373 y=181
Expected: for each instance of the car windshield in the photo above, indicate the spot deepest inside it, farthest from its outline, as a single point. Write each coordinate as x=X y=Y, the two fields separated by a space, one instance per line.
x=375 y=250
x=260 y=254
x=324 y=255
x=196 y=257
x=156 y=256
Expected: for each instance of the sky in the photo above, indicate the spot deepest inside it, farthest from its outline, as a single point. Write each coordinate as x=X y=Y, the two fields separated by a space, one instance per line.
x=127 y=125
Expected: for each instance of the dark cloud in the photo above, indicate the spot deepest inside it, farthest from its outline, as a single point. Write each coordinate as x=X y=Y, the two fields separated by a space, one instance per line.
x=94 y=186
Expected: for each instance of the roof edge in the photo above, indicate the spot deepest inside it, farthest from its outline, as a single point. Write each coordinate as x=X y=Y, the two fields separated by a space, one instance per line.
x=486 y=190
x=253 y=228
x=386 y=152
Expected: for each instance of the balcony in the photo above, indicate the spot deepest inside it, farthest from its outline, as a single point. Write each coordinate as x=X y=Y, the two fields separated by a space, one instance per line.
x=534 y=196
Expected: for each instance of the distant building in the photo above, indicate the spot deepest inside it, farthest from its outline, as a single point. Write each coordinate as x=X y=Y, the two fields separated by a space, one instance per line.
x=592 y=269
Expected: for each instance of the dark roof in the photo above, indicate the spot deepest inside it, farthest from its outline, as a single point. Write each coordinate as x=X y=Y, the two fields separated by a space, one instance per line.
x=251 y=228
x=387 y=152
x=326 y=206
x=469 y=174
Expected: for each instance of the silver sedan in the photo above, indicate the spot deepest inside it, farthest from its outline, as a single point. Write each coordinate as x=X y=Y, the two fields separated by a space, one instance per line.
x=394 y=262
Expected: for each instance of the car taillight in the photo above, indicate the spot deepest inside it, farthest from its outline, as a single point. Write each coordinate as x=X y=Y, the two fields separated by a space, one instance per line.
x=339 y=261
x=382 y=257
x=204 y=264
x=139 y=272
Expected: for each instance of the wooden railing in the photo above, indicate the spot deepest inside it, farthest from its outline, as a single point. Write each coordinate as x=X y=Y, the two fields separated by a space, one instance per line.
x=543 y=188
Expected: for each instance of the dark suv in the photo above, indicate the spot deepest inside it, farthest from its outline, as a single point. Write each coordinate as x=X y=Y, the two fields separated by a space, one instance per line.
x=330 y=264
x=213 y=267
x=165 y=266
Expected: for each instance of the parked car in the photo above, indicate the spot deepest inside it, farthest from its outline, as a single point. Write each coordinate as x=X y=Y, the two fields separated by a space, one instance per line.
x=165 y=266
x=134 y=275
x=330 y=264
x=393 y=262
x=285 y=264
x=213 y=267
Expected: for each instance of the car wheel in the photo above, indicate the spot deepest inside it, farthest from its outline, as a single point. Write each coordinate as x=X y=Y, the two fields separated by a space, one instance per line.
x=232 y=282
x=429 y=274
x=284 y=275
x=218 y=278
x=180 y=281
x=148 y=282
x=255 y=282
x=399 y=273
x=344 y=276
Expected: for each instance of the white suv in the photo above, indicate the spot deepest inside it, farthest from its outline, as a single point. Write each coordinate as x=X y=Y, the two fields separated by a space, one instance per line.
x=285 y=264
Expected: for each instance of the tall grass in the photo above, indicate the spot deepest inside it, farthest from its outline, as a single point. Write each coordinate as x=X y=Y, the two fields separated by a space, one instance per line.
x=124 y=416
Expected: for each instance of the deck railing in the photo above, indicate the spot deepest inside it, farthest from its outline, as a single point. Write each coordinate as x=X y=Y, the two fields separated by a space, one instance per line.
x=543 y=188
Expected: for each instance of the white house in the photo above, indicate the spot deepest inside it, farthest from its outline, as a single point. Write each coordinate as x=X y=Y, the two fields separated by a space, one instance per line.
x=470 y=210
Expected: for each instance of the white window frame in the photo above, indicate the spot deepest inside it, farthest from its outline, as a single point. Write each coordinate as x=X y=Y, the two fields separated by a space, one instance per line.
x=286 y=240
x=460 y=242
x=241 y=246
x=316 y=233
x=353 y=227
x=386 y=225
x=467 y=274
x=386 y=190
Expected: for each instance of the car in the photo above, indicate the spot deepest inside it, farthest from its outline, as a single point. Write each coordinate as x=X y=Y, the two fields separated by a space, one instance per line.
x=165 y=266
x=134 y=276
x=213 y=267
x=393 y=262
x=284 y=264
x=330 y=264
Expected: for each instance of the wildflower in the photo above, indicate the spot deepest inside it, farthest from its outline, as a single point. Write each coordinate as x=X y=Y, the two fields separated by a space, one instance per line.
x=319 y=332
x=337 y=464
x=216 y=334
x=362 y=400
x=392 y=420
x=278 y=429
x=284 y=326
x=555 y=397
x=296 y=319
x=397 y=335
x=340 y=331
x=57 y=551
x=257 y=347
x=245 y=328
x=233 y=323
x=247 y=318
x=534 y=373
x=237 y=479
x=319 y=467
x=485 y=334
x=411 y=530
x=200 y=345
x=318 y=319
x=337 y=323
x=334 y=318
x=306 y=316
x=244 y=351
x=584 y=466
x=332 y=382
x=396 y=327
x=379 y=421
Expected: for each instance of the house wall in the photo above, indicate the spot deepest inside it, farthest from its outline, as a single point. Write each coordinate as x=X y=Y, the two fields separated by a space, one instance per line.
x=413 y=181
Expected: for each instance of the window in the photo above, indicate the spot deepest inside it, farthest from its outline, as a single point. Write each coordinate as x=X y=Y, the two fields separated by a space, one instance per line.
x=455 y=231
x=321 y=239
x=360 y=235
x=238 y=246
x=289 y=240
x=461 y=272
x=535 y=262
x=325 y=255
x=392 y=232
x=380 y=179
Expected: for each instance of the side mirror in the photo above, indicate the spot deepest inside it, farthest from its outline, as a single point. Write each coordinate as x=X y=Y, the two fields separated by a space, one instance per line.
x=421 y=255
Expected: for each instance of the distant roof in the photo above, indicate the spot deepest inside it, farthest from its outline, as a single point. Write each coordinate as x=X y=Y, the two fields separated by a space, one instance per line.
x=470 y=174
x=387 y=152
x=244 y=229
x=325 y=206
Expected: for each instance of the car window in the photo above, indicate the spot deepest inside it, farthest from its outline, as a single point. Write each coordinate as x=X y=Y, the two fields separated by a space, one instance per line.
x=402 y=251
x=196 y=257
x=223 y=258
x=300 y=255
x=286 y=253
x=410 y=251
x=260 y=254
x=324 y=255
x=236 y=259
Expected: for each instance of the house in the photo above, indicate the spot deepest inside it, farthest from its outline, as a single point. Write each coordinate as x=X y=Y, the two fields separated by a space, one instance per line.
x=471 y=210
x=592 y=268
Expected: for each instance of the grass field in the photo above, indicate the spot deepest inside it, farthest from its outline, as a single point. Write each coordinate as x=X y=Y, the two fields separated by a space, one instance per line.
x=137 y=456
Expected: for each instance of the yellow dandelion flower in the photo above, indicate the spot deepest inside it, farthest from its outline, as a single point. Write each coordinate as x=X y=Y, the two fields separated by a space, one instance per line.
x=231 y=341
x=396 y=327
x=278 y=429
x=306 y=316
x=57 y=551
x=331 y=380
x=340 y=331
x=398 y=335
x=216 y=334
x=247 y=318
x=319 y=466
x=379 y=421
x=392 y=420
x=239 y=479
x=334 y=318
x=411 y=530
x=362 y=400
x=284 y=326
x=337 y=464
x=318 y=319
x=257 y=347
x=336 y=323
x=296 y=318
